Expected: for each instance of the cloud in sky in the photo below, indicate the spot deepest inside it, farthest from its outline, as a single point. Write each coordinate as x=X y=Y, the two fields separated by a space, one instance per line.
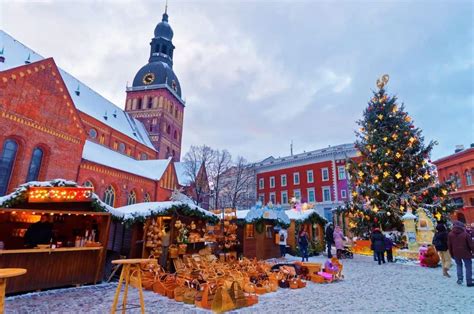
x=259 y=74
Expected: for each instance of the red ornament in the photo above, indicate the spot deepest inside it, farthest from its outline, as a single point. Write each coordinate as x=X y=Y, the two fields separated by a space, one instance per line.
x=412 y=126
x=375 y=219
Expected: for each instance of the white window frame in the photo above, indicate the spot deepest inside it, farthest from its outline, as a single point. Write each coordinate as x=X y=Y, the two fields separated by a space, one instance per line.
x=308 y=172
x=261 y=197
x=281 y=180
x=314 y=195
x=322 y=174
x=299 y=192
x=272 y=182
x=261 y=183
x=272 y=194
x=327 y=188
x=296 y=175
x=343 y=194
x=286 y=196
x=341 y=175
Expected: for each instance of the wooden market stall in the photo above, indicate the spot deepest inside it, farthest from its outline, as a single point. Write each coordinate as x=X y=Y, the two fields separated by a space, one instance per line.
x=310 y=220
x=157 y=227
x=56 y=230
x=257 y=233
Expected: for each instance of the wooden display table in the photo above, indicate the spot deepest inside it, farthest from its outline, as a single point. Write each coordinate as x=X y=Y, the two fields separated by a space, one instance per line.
x=128 y=267
x=4 y=274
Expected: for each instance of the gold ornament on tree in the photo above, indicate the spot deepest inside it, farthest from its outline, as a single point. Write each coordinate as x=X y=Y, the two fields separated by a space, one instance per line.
x=382 y=81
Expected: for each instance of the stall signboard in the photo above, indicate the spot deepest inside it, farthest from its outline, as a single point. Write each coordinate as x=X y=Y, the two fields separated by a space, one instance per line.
x=59 y=194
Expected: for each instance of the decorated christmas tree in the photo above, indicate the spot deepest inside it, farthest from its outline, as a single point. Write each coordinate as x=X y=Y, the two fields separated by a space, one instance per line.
x=393 y=173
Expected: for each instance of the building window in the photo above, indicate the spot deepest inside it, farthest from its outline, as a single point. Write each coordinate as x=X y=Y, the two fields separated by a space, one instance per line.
x=284 y=197
x=268 y=231
x=311 y=195
x=326 y=194
x=175 y=134
x=92 y=133
x=150 y=102
x=457 y=180
x=343 y=193
x=139 y=103
x=88 y=184
x=325 y=174
x=146 y=198
x=109 y=196
x=168 y=129
x=121 y=147
x=297 y=194
x=272 y=197
x=132 y=198
x=143 y=156
x=102 y=139
x=283 y=180
x=35 y=165
x=272 y=182
x=309 y=176
x=7 y=159
x=296 y=178
x=468 y=177
x=261 y=183
x=249 y=231
x=341 y=172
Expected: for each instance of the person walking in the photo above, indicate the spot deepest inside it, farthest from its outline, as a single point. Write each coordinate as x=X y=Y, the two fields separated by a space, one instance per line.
x=338 y=241
x=303 y=242
x=329 y=237
x=461 y=248
x=388 y=248
x=283 y=235
x=378 y=245
x=440 y=242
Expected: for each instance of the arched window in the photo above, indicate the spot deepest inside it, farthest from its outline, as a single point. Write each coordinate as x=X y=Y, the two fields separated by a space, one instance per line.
x=88 y=184
x=132 y=198
x=150 y=102
x=168 y=129
x=468 y=177
x=121 y=147
x=150 y=127
x=7 y=158
x=146 y=198
x=109 y=196
x=175 y=134
x=35 y=165
x=139 y=103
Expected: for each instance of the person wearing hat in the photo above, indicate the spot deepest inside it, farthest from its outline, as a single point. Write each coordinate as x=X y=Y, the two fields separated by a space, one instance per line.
x=461 y=249
x=378 y=245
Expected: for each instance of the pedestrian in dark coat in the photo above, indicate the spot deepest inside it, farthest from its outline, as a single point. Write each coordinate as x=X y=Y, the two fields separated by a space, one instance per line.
x=378 y=245
x=388 y=249
x=461 y=249
x=329 y=237
x=440 y=242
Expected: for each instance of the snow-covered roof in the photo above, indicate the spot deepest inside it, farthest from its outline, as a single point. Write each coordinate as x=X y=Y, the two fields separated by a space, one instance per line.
x=152 y=169
x=299 y=216
x=271 y=213
x=183 y=177
x=241 y=214
x=149 y=209
x=408 y=216
x=88 y=100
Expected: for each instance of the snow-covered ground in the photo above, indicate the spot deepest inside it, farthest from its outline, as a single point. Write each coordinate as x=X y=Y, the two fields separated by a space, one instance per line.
x=367 y=287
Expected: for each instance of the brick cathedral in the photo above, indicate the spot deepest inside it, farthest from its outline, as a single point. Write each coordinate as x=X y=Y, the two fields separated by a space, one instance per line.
x=54 y=126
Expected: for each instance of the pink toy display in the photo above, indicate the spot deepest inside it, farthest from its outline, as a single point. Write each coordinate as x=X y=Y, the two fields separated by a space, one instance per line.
x=421 y=256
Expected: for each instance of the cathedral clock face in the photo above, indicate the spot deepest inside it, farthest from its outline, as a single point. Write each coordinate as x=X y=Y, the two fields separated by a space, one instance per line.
x=148 y=78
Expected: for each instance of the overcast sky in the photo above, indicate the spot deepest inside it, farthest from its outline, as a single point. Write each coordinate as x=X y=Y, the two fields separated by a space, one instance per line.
x=258 y=74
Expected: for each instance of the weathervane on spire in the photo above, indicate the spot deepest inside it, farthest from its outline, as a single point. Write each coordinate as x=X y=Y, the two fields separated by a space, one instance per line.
x=166 y=7
x=382 y=81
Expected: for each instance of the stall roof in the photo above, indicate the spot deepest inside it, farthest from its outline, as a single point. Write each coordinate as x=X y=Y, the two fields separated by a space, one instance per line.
x=301 y=216
x=145 y=210
x=241 y=214
x=272 y=213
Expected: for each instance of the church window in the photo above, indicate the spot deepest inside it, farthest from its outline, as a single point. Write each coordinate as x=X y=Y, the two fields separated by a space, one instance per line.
x=146 y=198
x=92 y=133
x=102 y=139
x=35 y=165
x=88 y=184
x=139 y=103
x=132 y=198
x=168 y=129
x=109 y=196
x=163 y=49
x=115 y=145
x=154 y=121
x=176 y=113
x=150 y=127
x=174 y=153
x=7 y=158
x=121 y=147
x=150 y=102
x=143 y=156
x=175 y=134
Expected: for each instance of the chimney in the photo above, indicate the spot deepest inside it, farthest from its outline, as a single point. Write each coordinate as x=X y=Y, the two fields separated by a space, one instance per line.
x=459 y=148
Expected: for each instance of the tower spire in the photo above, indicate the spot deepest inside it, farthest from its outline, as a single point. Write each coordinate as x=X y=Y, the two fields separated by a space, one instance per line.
x=166 y=7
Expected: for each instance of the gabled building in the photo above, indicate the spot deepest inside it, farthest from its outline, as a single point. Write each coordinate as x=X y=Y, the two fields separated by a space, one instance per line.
x=52 y=125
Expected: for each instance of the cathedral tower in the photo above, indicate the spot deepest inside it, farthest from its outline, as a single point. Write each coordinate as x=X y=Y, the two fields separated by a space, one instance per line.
x=155 y=95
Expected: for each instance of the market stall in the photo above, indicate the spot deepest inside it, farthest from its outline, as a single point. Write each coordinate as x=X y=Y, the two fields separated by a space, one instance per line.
x=258 y=231
x=163 y=229
x=308 y=219
x=56 y=230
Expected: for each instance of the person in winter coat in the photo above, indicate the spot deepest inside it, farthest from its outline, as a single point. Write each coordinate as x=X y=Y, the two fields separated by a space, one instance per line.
x=378 y=245
x=440 y=241
x=329 y=237
x=461 y=248
x=303 y=242
x=388 y=248
x=339 y=241
x=283 y=235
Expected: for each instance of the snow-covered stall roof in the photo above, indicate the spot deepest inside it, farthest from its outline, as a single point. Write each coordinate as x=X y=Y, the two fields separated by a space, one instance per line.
x=20 y=194
x=152 y=169
x=305 y=215
x=241 y=214
x=141 y=211
x=88 y=101
x=271 y=213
